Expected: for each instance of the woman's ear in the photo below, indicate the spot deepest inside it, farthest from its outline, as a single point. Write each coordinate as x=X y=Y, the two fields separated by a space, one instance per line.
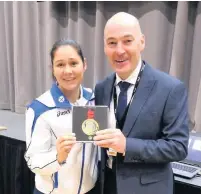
x=85 y=64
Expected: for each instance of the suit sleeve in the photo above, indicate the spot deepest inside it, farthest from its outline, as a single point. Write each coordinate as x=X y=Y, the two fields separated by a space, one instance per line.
x=40 y=155
x=173 y=144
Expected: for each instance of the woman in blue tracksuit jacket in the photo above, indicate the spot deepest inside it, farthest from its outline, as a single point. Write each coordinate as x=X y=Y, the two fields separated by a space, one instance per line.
x=61 y=165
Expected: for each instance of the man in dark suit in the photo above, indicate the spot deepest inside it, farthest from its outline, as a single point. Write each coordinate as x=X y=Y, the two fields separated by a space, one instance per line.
x=148 y=116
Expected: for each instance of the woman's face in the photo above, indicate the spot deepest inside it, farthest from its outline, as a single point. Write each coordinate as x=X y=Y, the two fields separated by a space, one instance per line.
x=68 y=68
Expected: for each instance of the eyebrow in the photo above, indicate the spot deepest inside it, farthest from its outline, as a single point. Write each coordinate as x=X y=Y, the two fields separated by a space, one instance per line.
x=125 y=36
x=58 y=61
x=108 y=39
x=128 y=36
x=72 y=58
x=61 y=60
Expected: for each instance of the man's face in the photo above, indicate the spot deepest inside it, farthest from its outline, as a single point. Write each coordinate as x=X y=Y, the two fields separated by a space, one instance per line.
x=123 y=45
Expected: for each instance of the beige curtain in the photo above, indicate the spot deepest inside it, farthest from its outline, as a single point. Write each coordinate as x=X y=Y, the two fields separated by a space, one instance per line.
x=28 y=30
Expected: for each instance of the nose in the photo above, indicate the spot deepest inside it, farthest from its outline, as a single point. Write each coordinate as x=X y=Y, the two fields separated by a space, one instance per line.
x=120 y=49
x=67 y=69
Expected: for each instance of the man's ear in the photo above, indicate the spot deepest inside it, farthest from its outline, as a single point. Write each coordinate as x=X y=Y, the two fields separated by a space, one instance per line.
x=142 y=42
x=85 y=64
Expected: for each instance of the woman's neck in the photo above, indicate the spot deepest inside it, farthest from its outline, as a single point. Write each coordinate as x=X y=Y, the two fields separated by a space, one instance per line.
x=72 y=96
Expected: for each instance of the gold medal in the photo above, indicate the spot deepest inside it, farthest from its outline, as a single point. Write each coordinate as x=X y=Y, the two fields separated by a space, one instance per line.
x=90 y=126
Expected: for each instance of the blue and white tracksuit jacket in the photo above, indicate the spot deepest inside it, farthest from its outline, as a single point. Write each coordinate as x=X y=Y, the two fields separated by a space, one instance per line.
x=47 y=118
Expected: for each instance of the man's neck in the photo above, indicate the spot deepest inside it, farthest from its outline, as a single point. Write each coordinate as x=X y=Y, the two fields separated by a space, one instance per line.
x=125 y=76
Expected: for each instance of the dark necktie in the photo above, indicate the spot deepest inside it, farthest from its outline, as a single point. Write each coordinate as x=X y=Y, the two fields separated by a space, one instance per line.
x=121 y=107
x=122 y=100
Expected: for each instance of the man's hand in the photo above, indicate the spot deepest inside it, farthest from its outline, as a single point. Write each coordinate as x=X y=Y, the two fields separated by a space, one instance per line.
x=64 y=145
x=111 y=138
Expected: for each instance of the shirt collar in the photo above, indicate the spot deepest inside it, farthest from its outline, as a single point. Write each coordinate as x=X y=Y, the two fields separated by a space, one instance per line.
x=133 y=77
x=62 y=102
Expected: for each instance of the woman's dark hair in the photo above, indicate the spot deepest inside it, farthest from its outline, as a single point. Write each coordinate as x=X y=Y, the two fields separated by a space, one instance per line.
x=66 y=42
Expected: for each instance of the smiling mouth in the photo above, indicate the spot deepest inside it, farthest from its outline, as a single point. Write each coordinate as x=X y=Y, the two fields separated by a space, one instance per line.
x=121 y=61
x=68 y=80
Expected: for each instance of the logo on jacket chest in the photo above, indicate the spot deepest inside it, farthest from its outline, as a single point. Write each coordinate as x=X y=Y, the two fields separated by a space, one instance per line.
x=60 y=113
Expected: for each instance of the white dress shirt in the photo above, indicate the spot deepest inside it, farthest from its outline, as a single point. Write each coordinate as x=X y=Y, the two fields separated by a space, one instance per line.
x=132 y=80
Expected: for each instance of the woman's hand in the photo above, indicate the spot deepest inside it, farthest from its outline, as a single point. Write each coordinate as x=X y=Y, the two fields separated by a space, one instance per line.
x=64 y=145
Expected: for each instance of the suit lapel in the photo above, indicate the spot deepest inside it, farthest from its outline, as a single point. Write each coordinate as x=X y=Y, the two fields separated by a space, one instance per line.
x=108 y=90
x=143 y=92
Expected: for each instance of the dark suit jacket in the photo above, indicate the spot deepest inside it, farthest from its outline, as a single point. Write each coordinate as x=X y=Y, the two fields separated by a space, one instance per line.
x=156 y=130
